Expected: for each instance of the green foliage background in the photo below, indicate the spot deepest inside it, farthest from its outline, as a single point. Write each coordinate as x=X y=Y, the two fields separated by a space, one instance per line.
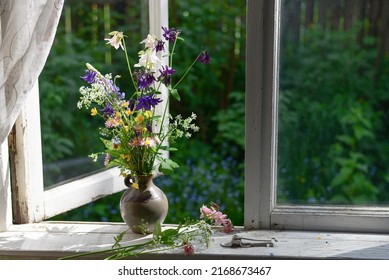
x=333 y=127
x=333 y=123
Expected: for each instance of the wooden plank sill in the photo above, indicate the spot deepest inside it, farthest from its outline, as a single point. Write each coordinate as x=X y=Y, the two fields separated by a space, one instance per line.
x=52 y=240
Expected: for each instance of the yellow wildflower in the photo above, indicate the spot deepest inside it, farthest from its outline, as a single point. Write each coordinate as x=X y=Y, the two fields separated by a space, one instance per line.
x=139 y=118
x=148 y=114
x=93 y=112
x=129 y=112
x=125 y=104
x=125 y=157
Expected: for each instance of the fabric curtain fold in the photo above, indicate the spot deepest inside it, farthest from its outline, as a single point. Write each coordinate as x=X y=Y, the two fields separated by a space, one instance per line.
x=27 y=30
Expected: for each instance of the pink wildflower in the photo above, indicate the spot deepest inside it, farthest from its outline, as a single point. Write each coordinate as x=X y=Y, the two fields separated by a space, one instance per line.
x=137 y=142
x=227 y=226
x=107 y=159
x=150 y=142
x=217 y=217
x=113 y=122
x=205 y=212
x=189 y=249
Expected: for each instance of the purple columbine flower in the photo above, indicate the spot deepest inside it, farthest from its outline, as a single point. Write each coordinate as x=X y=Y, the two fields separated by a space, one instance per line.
x=146 y=102
x=114 y=89
x=145 y=80
x=160 y=46
x=149 y=127
x=108 y=111
x=90 y=76
x=204 y=57
x=131 y=104
x=170 y=34
x=166 y=73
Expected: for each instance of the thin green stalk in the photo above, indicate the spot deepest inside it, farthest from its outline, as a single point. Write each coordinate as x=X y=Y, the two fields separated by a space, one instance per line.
x=186 y=73
x=164 y=113
x=128 y=65
x=172 y=52
x=130 y=248
x=168 y=93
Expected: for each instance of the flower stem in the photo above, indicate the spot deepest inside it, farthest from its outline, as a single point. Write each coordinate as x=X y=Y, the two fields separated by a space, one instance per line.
x=128 y=65
x=186 y=73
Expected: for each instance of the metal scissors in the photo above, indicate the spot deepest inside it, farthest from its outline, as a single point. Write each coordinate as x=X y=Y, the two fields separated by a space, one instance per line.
x=241 y=242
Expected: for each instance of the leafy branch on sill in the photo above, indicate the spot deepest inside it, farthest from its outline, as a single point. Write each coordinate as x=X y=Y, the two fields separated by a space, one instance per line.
x=187 y=235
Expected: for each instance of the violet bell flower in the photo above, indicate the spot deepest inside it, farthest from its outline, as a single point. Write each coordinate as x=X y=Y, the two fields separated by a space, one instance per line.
x=108 y=111
x=146 y=102
x=90 y=76
x=131 y=105
x=166 y=73
x=170 y=34
x=160 y=46
x=145 y=80
x=114 y=89
x=204 y=57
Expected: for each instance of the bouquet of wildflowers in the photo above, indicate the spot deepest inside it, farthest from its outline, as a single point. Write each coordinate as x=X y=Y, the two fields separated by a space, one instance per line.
x=134 y=134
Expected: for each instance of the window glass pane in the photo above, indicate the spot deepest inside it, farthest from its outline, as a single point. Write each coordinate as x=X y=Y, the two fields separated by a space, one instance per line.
x=211 y=162
x=69 y=134
x=333 y=142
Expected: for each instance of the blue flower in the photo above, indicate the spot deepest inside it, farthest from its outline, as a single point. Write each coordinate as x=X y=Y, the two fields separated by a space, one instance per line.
x=145 y=80
x=146 y=102
x=131 y=104
x=149 y=127
x=204 y=57
x=90 y=76
x=170 y=34
x=166 y=73
x=160 y=46
x=112 y=88
x=108 y=111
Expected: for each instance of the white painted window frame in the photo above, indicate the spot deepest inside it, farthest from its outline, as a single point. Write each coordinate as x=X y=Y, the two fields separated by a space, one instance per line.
x=30 y=202
x=261 y=209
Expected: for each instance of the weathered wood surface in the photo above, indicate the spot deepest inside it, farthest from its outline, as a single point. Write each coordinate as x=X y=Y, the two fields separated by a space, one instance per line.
x=51 y=240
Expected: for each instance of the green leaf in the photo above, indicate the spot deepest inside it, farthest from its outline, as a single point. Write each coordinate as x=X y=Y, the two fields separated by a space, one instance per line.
x=386 y=177
x=167 y=148
x=342 y=177
x=111 y=164
x=107 y=143
x=157 y=229
x=167 y=166
x=175 y=94
x=171 y=163
x=167 y=233
x=346 y=139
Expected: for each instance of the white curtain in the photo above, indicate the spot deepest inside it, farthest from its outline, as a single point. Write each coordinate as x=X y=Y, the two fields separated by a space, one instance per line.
x=27 y=29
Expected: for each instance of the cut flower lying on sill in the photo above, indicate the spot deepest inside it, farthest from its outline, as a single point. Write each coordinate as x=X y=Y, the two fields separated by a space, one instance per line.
x=187 y=236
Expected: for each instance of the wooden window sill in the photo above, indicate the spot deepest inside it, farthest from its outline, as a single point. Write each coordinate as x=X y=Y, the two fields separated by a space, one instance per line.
x=52 y=240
